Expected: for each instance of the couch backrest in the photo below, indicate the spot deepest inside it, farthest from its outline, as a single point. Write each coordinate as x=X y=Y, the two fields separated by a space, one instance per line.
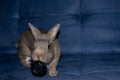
x=8 y=25
x=100 y=25
x=87 y=26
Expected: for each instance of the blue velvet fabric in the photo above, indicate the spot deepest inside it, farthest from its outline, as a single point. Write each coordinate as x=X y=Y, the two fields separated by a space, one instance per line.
x=89 y=37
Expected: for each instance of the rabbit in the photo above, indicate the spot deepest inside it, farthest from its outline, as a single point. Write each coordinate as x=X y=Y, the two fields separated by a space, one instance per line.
x=37 y=44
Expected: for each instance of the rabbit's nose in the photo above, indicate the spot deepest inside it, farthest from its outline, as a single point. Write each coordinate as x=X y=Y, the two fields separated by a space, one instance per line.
x=38 y=57
x=35 y=58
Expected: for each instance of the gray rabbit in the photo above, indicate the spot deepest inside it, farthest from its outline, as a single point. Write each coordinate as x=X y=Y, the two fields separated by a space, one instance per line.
x=40 y=45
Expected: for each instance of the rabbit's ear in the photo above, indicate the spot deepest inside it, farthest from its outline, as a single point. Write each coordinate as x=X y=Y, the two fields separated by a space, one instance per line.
x=53 y=32
x=36 y=33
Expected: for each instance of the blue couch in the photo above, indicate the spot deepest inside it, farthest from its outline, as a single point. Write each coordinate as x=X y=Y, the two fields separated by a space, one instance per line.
x=89 y=37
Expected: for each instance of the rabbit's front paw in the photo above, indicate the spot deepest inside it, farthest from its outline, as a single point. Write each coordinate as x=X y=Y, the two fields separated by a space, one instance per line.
x=26 y=62
x=53 y=73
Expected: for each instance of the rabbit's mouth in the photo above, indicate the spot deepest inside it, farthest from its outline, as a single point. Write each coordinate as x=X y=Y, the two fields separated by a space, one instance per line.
x=43 y=61
x=32 y=61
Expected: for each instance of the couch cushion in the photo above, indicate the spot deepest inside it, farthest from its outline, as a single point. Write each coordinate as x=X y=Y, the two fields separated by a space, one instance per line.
x=71 y=67
x=12 y=69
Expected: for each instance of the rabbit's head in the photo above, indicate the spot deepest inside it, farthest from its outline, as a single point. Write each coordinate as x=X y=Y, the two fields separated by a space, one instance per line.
x=42 y=42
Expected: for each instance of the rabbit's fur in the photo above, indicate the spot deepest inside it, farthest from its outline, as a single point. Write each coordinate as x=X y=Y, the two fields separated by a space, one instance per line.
x=40 y=45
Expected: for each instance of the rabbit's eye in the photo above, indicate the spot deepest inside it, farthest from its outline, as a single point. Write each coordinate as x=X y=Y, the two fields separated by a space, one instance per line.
x=48 y=46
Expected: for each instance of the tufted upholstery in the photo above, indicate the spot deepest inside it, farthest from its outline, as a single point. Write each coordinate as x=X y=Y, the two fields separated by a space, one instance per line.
x=89 y=37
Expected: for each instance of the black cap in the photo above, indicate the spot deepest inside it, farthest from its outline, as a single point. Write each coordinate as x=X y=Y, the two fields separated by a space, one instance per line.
x=38 y=68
